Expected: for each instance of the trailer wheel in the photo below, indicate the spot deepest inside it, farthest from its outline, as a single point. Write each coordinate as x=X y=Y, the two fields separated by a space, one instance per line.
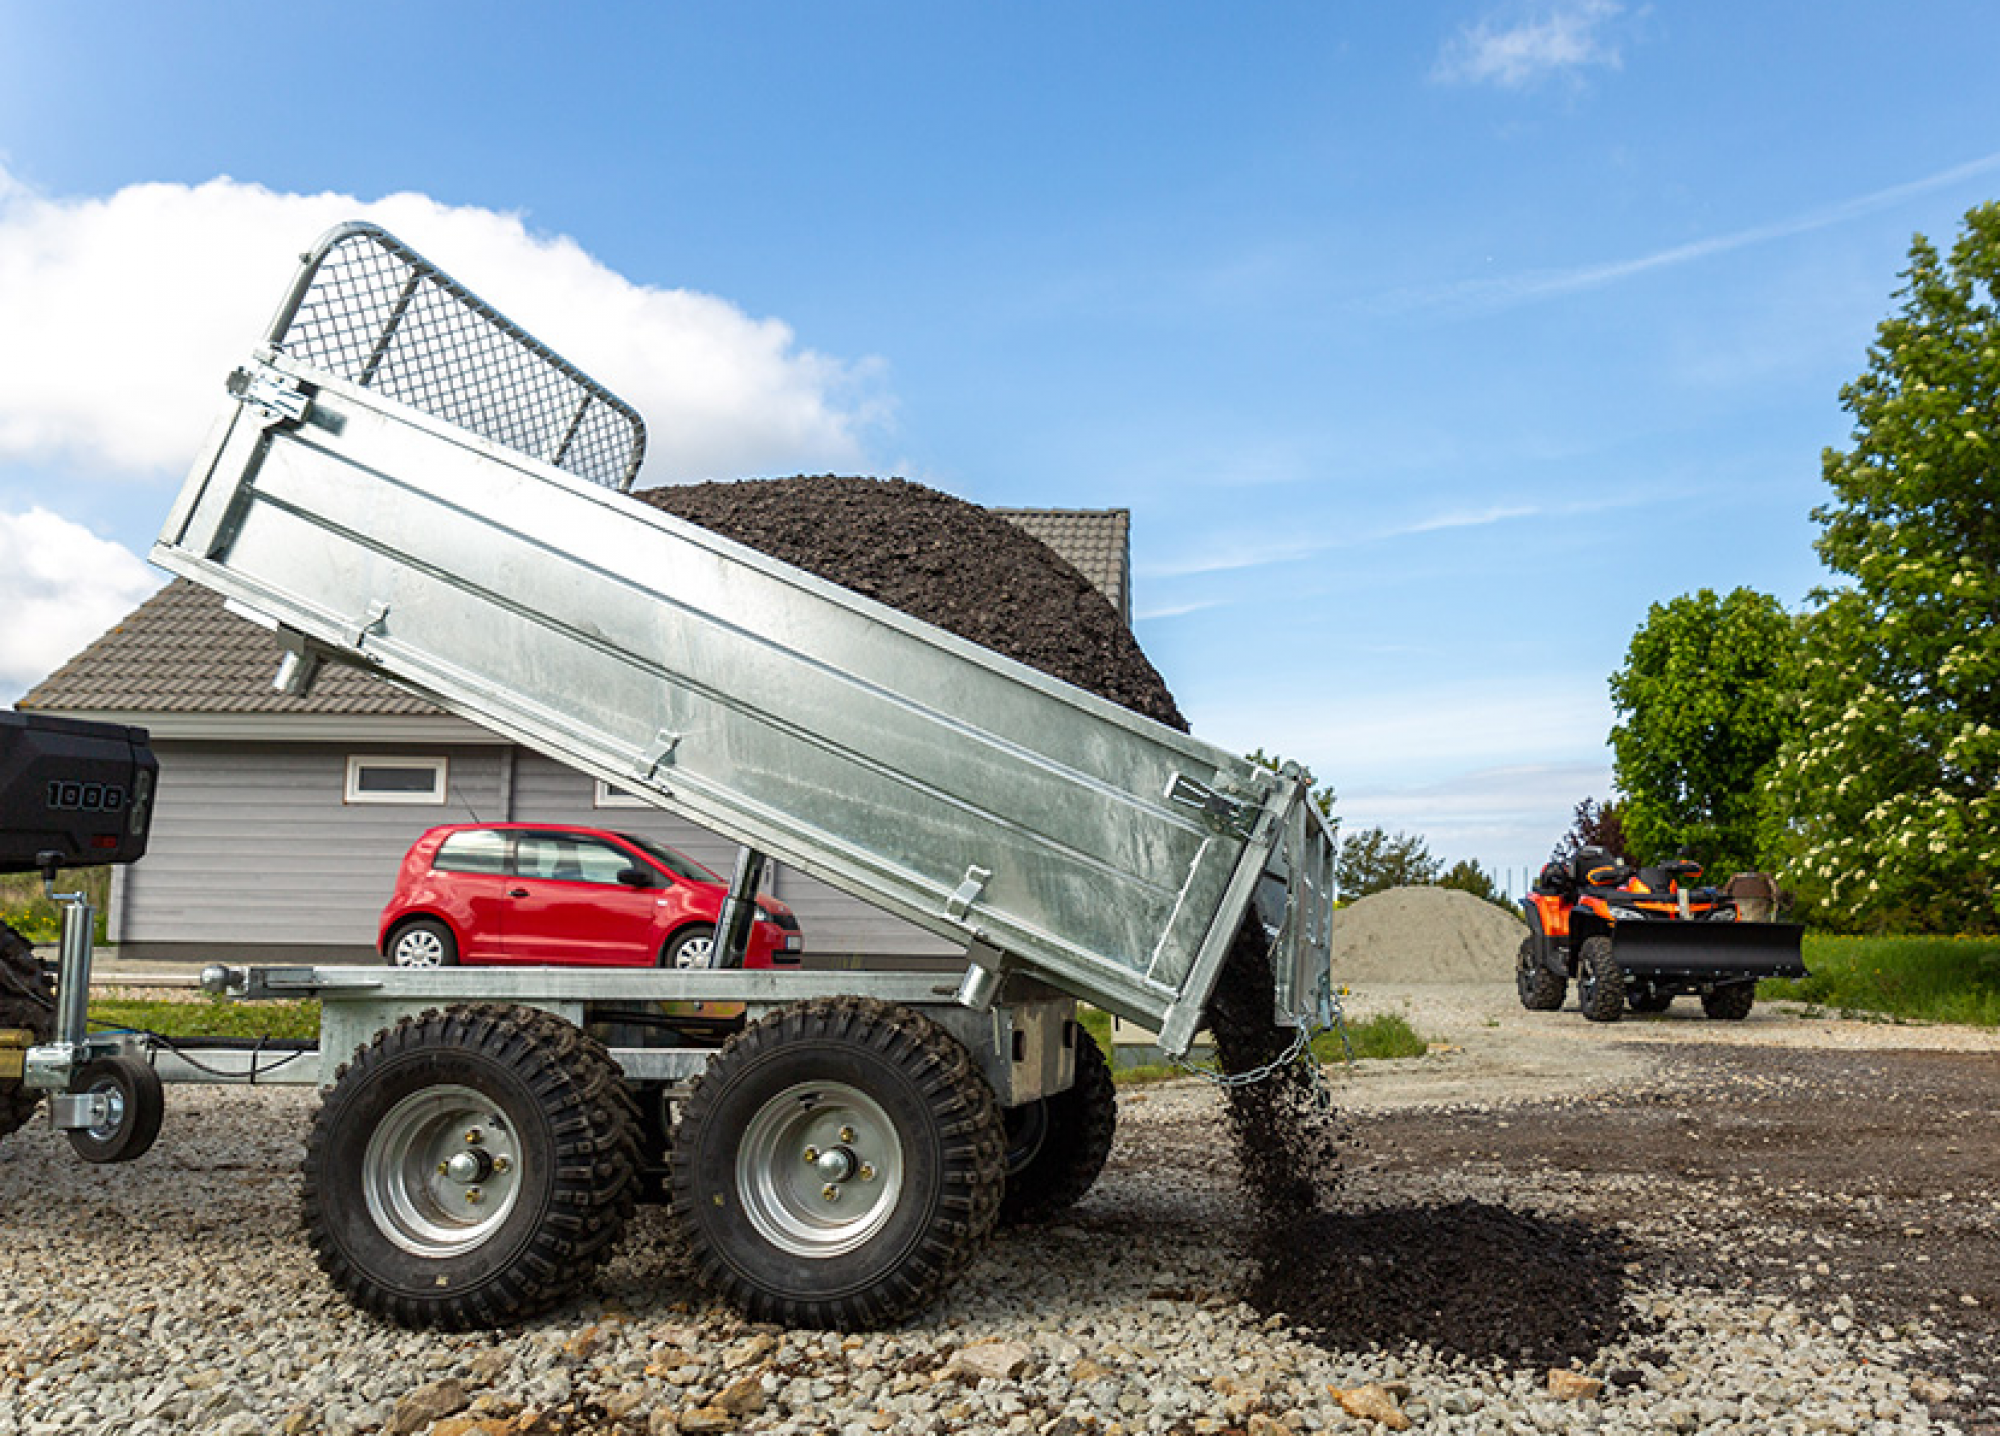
x=27 y=1002
x=1731 y=1003
x=1600 y=984
x=470 y=1166
x=135 y=1104
x=1541 y=990
x=1058 y=1145
x=837 y=1164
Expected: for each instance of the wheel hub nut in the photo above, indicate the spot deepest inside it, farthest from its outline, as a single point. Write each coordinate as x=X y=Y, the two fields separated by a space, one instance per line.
x=468 y=1168
x=836 y=1164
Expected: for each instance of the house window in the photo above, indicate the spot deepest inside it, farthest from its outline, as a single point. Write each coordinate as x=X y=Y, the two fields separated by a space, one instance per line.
x=395 y=780
x=610 y=795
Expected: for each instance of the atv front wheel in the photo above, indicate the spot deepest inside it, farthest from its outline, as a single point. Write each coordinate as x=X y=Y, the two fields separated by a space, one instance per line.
x=1731 y=1003
x=1600 y=983
x=1541 y=990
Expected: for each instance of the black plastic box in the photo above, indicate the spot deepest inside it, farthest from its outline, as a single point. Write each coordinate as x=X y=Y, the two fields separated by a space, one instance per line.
x=80 y=789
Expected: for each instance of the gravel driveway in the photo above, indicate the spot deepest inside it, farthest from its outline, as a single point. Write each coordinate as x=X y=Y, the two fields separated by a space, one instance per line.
x=1779 y=1225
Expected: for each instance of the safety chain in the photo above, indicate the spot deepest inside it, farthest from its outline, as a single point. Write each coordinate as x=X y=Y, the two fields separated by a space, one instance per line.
x=1304 y=1030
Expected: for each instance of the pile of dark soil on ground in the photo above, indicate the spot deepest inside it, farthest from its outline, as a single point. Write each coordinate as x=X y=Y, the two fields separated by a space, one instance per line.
x=944 y=561
x=1469 y=1278
x=1476 y=1280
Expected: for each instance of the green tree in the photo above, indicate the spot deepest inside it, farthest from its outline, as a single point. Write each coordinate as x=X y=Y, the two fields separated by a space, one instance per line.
x=1374 y=859
x=1468 y=877
x=1706 y=699
x=1886 y=804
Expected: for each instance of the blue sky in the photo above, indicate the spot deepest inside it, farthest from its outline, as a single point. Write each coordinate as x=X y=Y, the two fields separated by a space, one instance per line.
x=1428 y=344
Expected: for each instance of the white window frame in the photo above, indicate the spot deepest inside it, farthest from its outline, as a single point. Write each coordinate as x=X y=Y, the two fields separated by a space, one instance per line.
x=606 y=795
x=433 y=797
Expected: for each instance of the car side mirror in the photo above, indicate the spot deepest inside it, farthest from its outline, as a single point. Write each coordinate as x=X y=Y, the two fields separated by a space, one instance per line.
x=635 y=877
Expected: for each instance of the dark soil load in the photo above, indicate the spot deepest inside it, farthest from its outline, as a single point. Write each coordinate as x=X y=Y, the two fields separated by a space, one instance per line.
x=941 y=560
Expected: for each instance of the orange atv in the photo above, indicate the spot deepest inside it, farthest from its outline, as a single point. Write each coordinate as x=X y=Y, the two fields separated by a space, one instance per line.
x=1640 y=937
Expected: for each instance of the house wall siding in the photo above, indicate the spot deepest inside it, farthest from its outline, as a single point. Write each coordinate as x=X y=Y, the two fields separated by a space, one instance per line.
x=256 y=845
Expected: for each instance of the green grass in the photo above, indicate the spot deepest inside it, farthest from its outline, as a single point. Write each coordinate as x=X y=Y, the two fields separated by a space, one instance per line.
x=1385 y=1035
x=25 y=907
x=1374 y=1039
x=1908 y=979
x=208 y=1017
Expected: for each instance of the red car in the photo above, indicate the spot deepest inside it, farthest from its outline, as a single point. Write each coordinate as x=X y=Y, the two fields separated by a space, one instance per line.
x=544 y=894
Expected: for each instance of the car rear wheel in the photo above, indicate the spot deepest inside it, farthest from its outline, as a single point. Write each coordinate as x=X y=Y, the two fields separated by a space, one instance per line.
x=423 y=943
x=691 y=948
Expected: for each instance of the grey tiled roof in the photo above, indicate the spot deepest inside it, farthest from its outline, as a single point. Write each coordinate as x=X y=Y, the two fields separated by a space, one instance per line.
x=1097 y=542
x=181 y=651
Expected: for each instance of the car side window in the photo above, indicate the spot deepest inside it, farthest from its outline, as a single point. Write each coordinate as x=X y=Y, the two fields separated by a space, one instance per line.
x=566 y=859
x=479 y=851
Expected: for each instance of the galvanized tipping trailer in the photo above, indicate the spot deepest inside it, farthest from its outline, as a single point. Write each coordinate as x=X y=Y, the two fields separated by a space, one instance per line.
x=406 y=481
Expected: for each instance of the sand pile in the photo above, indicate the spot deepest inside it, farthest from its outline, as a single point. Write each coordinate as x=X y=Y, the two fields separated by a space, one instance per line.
x=1424 y=935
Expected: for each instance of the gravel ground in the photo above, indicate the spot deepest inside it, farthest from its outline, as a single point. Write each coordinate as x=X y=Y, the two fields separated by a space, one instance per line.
x=1764 y=1278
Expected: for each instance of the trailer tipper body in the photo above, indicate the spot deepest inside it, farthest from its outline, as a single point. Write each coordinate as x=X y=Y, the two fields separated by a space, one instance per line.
x=404 y=480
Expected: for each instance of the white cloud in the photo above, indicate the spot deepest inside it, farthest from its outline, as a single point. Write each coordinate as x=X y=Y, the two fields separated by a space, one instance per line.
x=61 y=586
x=122 y=314
x=1556 y=39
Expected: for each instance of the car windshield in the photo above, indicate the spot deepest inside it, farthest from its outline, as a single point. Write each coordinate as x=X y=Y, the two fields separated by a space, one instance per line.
x=673 y=862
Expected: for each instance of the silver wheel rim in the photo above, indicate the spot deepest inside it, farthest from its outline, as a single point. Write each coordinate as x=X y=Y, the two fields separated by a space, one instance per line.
x=820 y=1169
x=442 y=1172
x=114 y=1109
x=695 y=952
x=419 y=947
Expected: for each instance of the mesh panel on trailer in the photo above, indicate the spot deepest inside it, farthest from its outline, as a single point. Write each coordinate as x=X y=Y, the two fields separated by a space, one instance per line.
x=378 y=314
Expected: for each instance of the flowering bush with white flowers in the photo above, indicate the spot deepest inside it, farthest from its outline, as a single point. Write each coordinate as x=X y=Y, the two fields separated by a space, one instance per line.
x=1884 y=808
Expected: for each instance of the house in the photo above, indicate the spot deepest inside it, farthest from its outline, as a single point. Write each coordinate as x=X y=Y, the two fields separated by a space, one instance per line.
x=280 y=821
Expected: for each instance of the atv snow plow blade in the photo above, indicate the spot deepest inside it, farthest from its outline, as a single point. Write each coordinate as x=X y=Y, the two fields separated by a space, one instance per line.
x=1708 y=951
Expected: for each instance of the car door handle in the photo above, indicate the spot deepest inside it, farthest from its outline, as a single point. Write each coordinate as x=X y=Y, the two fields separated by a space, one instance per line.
x=517 y=892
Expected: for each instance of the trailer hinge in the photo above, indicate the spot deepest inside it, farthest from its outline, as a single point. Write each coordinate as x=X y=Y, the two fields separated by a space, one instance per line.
x=279 y=400
x=966 y=894
x=1222 y=813
x=658 y=755
x=375 y=621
